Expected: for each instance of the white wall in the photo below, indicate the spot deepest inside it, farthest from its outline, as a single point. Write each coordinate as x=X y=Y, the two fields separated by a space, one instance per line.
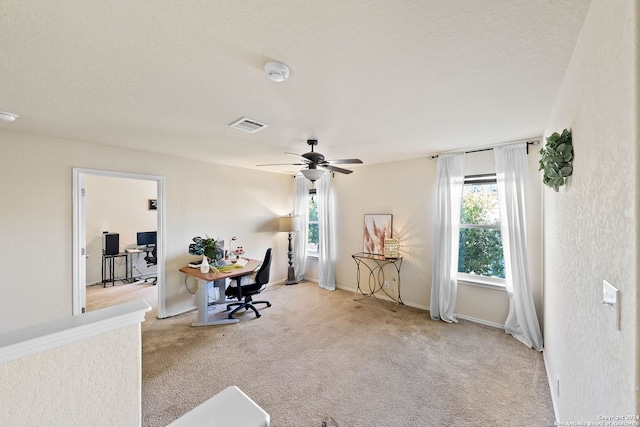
x=406 y=190
x=201 y=198
x=591 y=225
x=117 y=205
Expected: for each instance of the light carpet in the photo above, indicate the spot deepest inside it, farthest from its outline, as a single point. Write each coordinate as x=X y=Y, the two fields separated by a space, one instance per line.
x=316 y=355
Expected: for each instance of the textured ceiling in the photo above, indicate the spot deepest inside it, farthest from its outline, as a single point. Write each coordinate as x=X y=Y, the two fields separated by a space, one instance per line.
x=379 y=80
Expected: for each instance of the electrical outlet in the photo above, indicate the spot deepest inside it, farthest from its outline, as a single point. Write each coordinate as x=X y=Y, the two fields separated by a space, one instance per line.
x=386 y=284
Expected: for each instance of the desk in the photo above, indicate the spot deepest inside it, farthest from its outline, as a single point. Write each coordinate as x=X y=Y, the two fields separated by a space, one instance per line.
x=378 y=283
x=219 y=281
x=130 y=267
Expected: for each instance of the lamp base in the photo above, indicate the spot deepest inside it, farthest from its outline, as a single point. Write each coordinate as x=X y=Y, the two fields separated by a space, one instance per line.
x=291 y=277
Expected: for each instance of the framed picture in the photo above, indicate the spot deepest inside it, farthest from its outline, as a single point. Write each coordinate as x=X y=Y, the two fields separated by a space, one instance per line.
x=376 y=229
x=153 y=204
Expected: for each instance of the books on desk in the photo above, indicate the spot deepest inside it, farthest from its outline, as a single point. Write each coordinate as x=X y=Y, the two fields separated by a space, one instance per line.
x=241 y=262
x=222 y=264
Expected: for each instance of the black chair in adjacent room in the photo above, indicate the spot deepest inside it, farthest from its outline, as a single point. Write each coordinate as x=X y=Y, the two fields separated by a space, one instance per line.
x=244 y=293
x=152 y=259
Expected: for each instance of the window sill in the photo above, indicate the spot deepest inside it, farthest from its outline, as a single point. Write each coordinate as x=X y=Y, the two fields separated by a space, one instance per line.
x=314 y=255
x=482 y=282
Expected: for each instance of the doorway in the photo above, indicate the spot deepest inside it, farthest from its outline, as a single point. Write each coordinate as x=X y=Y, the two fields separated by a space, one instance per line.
x=80 y=247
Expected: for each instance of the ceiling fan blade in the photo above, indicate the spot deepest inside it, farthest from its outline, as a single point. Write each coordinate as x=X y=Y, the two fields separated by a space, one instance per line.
x=335 y=169
x=298 y=156
x=343 y=161
x=284 y=164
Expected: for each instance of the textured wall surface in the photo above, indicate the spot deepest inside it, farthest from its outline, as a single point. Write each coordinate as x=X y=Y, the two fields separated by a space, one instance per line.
x=201 y=198
x=95 y=382
x=407 y=190
x=590 y=226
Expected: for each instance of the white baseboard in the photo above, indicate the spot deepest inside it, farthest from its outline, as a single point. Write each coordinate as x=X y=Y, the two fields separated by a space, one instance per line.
x=422 y=307
x=552 y=388
x=480 y=321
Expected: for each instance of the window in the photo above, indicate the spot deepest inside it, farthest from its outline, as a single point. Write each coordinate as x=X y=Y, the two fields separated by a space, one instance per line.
x=313 y=241
x=481 y=259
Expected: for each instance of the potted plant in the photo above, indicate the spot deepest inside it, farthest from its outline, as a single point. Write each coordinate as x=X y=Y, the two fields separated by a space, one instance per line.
x=205 y=246
x=557 y=156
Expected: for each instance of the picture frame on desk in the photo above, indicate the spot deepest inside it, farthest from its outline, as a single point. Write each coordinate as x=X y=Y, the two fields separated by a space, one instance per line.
x=153 y=204
x=377 y=227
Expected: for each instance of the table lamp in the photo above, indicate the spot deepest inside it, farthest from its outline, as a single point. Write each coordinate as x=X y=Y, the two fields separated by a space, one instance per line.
x=289 y=224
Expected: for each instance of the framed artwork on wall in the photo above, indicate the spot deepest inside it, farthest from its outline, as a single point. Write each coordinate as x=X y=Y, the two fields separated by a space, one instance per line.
x=377 y=227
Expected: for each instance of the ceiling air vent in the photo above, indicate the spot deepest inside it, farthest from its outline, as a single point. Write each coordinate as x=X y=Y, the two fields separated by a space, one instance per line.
x=248 y=125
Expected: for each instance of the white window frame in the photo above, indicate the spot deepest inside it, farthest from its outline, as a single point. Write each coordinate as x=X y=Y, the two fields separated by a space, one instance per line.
x=473 y=279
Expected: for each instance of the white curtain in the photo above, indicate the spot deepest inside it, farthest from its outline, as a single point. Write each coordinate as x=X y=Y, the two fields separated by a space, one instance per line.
x=444 y=285
x=301 y=210
x=327 y=279
x=511 y=173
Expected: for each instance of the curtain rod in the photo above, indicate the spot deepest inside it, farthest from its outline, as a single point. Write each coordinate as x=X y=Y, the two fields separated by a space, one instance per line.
x=529 y=141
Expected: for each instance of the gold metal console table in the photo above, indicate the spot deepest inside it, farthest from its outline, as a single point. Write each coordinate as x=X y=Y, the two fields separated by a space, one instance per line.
x=378 y=283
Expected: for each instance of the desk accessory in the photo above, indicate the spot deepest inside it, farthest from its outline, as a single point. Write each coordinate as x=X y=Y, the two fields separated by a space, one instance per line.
x=204 y=266
x=391 y=248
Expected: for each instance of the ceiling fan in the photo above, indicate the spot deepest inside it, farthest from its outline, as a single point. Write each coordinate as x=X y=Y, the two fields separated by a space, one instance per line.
x=316 y=163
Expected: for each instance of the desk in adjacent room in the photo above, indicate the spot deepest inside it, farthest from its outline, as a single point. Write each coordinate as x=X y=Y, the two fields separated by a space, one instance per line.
x=218 y=279
x=136 y=253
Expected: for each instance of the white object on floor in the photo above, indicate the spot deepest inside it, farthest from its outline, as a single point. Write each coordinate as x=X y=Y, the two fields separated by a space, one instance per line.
x=229 y=408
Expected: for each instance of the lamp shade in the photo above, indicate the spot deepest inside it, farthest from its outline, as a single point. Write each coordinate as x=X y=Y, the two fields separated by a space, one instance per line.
x=288 y=223
x=312 y=174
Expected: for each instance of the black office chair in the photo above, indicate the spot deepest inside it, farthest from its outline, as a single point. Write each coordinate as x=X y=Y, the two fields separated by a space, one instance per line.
x=247 y=291
x=152 y=259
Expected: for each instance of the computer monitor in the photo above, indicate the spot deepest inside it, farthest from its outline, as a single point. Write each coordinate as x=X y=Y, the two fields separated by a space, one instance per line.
x=147 y=238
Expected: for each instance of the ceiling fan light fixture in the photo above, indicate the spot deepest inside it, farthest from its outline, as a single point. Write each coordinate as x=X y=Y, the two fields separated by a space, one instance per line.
x=7 y=117
x=277 y=71
x=312 y=174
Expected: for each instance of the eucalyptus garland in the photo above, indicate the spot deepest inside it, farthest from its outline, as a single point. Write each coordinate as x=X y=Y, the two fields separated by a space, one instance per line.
x=557 y=156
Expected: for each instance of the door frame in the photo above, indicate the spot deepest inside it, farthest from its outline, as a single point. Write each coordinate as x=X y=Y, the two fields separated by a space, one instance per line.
x=79 y=291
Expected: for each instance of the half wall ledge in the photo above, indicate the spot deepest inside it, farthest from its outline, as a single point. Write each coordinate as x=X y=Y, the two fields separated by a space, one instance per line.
x=35 y=339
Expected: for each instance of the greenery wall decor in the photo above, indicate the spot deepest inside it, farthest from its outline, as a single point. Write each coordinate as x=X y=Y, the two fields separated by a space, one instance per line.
x=557 y=156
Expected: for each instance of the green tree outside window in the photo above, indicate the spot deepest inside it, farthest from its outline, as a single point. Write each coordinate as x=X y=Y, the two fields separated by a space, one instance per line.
x=480 y=251
x=313 y=240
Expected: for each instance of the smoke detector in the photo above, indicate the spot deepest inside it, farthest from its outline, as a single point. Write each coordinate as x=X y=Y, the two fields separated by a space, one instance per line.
x=276 y=71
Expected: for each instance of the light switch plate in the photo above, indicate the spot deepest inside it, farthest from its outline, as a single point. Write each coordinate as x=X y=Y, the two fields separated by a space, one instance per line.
x=611 y=303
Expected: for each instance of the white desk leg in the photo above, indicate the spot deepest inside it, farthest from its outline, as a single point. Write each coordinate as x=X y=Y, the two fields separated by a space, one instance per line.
x=203 y=307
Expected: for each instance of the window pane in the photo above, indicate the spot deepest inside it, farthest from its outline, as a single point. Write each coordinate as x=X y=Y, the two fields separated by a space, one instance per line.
x=480 y=204
x=313 y=209
x=312 y=243
x=480 y=253
x=313 y=240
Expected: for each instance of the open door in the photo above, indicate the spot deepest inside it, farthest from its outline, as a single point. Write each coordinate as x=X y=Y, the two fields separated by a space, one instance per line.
x=79 y=235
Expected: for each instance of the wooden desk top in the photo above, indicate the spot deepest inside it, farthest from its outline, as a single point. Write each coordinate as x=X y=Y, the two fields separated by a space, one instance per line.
x=212 y=275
